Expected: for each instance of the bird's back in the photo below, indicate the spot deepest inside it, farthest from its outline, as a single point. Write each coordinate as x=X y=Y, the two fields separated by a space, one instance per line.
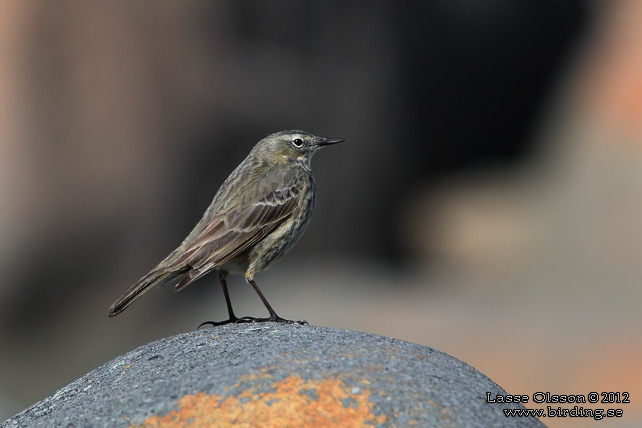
x=257 y=214
x=253 y=202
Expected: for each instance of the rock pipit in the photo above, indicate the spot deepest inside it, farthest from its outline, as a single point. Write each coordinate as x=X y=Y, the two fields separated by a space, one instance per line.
x=256 y=216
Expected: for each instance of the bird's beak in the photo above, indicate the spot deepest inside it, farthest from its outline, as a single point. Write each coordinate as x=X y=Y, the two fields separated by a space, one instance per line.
x=327 y=141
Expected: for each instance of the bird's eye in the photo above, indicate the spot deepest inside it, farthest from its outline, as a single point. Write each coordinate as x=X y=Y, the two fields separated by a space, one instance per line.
x=297 y=142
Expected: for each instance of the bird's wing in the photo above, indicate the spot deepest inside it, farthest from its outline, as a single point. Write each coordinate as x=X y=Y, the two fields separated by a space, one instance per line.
x=231 y=232
x=241 y=220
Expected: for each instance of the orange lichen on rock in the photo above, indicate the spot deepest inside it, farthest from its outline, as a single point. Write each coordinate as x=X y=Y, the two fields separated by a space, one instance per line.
x=290 y=402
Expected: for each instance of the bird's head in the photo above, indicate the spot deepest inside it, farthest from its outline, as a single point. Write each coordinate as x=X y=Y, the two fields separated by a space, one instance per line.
x=291 y=146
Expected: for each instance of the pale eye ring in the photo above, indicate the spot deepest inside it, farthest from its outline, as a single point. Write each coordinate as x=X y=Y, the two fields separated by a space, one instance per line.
x=297 y=142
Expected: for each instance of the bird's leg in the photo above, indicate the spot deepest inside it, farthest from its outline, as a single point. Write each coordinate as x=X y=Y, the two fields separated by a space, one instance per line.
x=228 y=302
x=233 y=319
x=222 y=276
x=273 y=316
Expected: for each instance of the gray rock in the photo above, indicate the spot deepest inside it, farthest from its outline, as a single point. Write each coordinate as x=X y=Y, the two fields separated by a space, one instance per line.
x=258 y=374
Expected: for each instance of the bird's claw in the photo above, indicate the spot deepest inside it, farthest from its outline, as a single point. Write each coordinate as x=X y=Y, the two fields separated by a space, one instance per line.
x=215 y=323
x=276 y=319
x=241 y=320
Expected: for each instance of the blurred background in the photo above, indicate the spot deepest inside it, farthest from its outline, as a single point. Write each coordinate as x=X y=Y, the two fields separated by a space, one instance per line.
x=487 y=201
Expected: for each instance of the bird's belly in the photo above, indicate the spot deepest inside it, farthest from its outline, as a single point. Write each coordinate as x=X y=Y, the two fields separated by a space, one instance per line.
x=280 y=241
x=237 y=265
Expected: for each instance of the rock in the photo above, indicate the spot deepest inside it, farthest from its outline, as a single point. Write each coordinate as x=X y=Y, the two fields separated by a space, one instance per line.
x=265 y=375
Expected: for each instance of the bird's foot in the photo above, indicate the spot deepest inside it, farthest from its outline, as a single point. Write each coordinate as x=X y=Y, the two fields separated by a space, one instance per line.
x=217 y=323
x=274 y=318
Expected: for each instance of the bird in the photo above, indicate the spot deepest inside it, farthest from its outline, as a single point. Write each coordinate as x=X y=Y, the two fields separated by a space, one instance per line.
x=257 y=215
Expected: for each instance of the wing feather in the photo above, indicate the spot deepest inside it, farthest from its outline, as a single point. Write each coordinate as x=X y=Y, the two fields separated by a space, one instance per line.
x=247 y=207
x=233 y=231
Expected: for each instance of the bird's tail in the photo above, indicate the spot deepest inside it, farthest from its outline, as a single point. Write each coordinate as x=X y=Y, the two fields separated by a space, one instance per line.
x=147 y=282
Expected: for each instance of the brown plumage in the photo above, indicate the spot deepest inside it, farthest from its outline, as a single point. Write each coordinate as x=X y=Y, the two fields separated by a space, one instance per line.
x=256 y=216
